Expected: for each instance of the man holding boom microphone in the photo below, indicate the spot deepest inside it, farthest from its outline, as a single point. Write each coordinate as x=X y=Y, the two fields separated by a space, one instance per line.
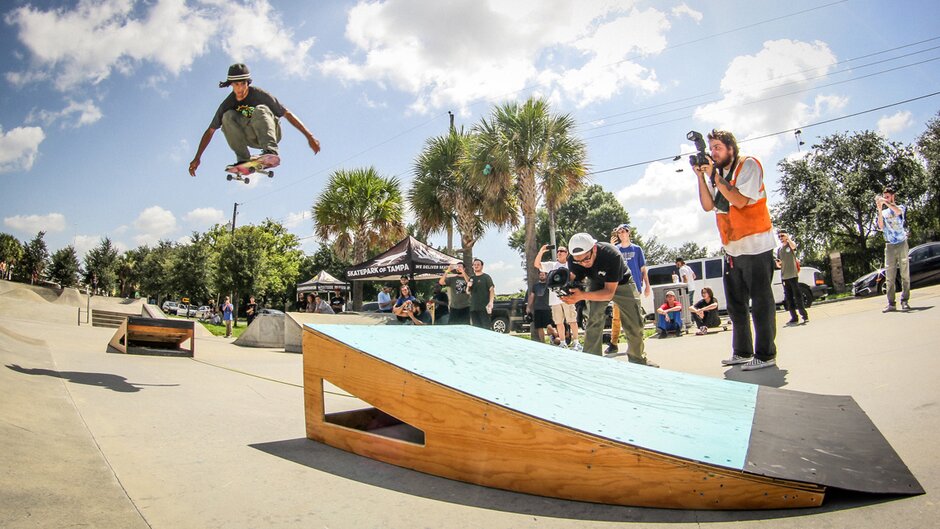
x=733 y=186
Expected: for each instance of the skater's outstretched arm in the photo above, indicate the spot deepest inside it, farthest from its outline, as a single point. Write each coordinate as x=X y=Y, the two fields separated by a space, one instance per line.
x=314 y=144
x=203 y=143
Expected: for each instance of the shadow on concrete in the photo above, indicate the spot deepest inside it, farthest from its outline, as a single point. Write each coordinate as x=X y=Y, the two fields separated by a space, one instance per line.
x=350 y=466
x=772 y=376
x=102 y=380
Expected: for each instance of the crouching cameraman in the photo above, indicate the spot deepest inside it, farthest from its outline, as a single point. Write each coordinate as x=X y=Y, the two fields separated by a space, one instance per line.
x=602 y=264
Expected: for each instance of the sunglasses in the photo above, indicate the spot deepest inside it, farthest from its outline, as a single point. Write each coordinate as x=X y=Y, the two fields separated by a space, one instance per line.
x=585 y=257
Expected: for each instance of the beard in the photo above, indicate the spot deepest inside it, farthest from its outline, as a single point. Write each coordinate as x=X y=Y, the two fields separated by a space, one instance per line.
x=723 y=163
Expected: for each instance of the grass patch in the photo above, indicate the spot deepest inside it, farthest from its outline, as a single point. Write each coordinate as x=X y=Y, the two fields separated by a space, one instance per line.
x=218 y=330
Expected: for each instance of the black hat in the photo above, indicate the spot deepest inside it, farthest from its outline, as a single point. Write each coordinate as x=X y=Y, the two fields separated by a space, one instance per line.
x=236 y=72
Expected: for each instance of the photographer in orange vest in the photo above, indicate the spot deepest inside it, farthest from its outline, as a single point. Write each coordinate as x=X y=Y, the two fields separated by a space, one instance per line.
x=732 y=186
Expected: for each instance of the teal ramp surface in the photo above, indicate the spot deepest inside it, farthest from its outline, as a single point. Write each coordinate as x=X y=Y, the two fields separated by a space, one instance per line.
x=687 y=416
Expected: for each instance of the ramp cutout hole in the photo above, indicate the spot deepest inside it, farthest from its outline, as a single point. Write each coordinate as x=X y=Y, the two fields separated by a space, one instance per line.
x=358 y=414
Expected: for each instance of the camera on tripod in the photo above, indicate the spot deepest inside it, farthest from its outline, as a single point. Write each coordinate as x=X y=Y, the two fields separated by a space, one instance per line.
x=701 y=157
x=559 y=281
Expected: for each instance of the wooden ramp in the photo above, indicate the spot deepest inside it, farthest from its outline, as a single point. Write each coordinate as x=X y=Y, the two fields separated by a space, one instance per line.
x=152 y=336
x=499 y=411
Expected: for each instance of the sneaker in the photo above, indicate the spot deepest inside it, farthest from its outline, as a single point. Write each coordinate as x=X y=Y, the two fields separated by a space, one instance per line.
x=269 y=159
x=791 y=323
x=679 y=332
x=651 y=364
x=757 y=363
x=735 y=360
x=661 y=335
x=611 y=349
x=905 y=307
x=805 y=321
x=889 y=308
x=702 y=331
x=577 y=347
x=563 y=344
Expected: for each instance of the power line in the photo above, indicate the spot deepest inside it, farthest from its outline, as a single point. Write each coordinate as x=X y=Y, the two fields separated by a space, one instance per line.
x=815 y=124
x=783 y=76
x=762 y=100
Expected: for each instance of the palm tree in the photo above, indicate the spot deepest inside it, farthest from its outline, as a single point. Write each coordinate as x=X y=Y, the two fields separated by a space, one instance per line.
x=525 y=151
x=361 y=212
x=443 y=194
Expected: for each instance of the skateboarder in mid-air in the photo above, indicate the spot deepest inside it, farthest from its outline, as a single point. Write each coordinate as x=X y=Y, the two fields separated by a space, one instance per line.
x=249 y=117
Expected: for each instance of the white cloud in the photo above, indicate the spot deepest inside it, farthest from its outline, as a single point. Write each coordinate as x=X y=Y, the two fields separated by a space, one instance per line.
x=50 y=223
x=19 y=148
x=499 y=48
x=664 y=203
x=507 y=277
x=84 y=243
x=74 y=115
x=889 y=125
x=294 y=220
x=154 y=224
x=759 y=91
x=683 y=9
x=205 y=216
x=95 y=38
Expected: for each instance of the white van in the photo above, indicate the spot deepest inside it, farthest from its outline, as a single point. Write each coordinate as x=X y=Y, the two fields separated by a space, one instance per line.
x=709 y=272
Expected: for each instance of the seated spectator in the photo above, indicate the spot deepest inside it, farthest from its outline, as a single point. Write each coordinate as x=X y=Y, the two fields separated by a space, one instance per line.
x=705 y=312
x=670 y=315
x=309 y=303
x=338 y=303
x=404 y=305
x=321 y=306
x=385 y=299
x=537 y=306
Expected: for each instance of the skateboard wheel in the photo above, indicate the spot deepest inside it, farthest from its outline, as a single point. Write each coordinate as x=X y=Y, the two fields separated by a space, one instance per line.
x=270 y=174
x=246 y=180
x=229 y=177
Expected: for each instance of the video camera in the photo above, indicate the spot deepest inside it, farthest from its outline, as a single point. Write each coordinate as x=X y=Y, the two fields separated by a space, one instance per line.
x=700 y=157
x=559 y=281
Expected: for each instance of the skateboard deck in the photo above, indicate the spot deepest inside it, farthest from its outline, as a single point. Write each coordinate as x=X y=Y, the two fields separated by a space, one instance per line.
x=257 y=164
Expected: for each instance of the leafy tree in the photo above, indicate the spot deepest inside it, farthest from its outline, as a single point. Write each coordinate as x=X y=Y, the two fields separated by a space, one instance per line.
x=591 y=210
x=656 y=252
x=189 y=269
x=154 y=271
x=689 y=250
x=11 y=251
x=928 y=146
x=64 y=267
x=361 y=212
x=828 y=196
x=443 y=194
x=524 y=151
x=129 y=270
x=101 y=266
x=35 y=260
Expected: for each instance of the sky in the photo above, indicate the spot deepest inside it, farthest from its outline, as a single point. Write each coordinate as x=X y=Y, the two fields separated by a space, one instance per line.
x=104 y=101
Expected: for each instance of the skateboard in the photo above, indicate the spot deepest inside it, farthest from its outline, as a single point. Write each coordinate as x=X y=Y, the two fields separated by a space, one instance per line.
x=257 y=164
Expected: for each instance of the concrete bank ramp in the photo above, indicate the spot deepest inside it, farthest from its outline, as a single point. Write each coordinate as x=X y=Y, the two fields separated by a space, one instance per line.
x=22 y=294
x=293 y=324
x=266 y=330
x=72 y=297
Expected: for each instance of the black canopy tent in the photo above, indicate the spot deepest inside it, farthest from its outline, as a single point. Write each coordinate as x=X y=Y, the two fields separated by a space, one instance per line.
x=410 y=257
x=322 y=282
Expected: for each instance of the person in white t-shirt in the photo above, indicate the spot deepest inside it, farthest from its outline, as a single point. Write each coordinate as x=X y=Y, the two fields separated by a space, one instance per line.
x=732 y=186
x=561 y=311
x=687 y=276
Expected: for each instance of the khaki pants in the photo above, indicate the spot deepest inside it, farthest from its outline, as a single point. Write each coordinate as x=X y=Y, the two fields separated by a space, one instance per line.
x=896 y=259
x=261 y=131
x=631 y=319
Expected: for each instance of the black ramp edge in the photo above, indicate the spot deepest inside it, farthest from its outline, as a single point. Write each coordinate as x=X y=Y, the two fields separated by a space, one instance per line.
x=823 y=439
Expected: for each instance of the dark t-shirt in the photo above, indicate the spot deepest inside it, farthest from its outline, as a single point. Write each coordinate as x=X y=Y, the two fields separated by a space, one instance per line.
x=480 y=293
x=540 y=298
x=440 y=305
x=711 y=318
x=608 y=267
x=337 y=304
x=459 y=299
x=251 y=310
x=255 y=97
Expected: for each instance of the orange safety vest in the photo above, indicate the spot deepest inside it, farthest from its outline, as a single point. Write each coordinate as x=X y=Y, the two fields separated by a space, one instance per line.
x=754 y=218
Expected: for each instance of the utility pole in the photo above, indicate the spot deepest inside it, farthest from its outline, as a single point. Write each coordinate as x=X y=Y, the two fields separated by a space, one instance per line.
x=451 y=114
x=234 y=213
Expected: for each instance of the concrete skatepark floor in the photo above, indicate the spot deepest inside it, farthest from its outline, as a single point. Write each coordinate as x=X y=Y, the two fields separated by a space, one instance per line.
x=109 y=440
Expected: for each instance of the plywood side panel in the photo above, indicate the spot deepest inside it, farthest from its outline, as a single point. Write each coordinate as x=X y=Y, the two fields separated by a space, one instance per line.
x=476 y=441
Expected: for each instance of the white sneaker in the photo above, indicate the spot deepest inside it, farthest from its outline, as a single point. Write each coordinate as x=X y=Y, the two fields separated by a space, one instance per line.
x=756 y=363
x=563 y=345
x=577 y=347
x=735 y=360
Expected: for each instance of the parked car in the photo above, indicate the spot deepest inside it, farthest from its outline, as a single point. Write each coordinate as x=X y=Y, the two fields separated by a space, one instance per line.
x=169 y=307
x=709 y=272
x=509 y=315
x=924 y=267
x=202 y=312
x=372 y=306
x=186 y=311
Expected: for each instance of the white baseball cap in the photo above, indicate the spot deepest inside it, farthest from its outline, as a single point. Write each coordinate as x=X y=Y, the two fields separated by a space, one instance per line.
x=581 y=243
